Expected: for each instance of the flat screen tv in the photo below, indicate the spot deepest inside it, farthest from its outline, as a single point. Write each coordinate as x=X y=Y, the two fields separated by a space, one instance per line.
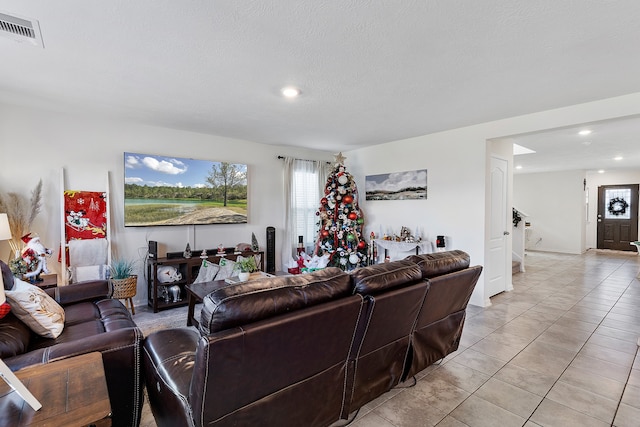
x=160 y=190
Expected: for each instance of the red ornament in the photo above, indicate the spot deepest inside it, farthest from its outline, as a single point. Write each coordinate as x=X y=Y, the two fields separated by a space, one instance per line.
x=352 y=216
x=361 y=244
x=323 y=200
x=347 y=199
x=325 y=233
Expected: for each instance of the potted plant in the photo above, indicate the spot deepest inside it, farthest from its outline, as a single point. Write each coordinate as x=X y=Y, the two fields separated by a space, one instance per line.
x=246 y=266
x=124 y=283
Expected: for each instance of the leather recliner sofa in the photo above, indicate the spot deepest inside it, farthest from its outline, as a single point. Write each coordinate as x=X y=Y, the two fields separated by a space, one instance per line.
x=93 y=323
x=308 y=349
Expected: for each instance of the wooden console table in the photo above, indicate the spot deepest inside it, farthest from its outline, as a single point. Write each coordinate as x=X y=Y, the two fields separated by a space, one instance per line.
x=73 y=392
x=393 y=245
x=188 y=269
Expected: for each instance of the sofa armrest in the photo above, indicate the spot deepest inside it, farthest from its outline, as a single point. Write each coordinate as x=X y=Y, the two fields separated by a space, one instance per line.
x=121 y=358
x=82 y=291
x=168 y=357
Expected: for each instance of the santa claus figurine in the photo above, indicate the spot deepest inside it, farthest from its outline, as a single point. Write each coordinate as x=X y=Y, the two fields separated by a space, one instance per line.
x=34 y=255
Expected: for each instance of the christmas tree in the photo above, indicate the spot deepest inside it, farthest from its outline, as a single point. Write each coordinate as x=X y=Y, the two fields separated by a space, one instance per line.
x=341 y=221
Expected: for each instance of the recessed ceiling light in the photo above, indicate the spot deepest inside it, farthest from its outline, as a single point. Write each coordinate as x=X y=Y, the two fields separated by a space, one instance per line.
x=584 y=132
x=618 y=158
x=291 y=92
x=519 y=167
x=601 y=171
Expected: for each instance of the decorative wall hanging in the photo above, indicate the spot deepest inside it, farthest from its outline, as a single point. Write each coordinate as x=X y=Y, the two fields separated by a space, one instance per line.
x=85 y=214
x=409 y=185
x=516 y=217
x=617 y=206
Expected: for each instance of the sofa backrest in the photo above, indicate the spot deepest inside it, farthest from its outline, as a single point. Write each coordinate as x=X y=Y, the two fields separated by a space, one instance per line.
x=248 y=302
x=439 y=324
x=290 y=369
x=393 y=294
x=439 y=263
x=14 y=336
x=376 y=278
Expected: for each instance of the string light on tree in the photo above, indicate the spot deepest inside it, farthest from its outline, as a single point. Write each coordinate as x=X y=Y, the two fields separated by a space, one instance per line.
x=341 y=221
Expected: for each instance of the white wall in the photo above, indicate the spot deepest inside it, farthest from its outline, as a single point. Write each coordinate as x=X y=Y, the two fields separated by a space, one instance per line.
x=455 y=161
x=36 y=144
x=555 y=203
x=594 y=180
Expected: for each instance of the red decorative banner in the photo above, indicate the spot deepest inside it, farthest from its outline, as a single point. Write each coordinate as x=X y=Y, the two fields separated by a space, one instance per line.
x=85 y=215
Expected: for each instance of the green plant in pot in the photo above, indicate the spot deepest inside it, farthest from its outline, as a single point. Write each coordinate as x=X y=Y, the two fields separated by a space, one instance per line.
x=124 y=283
x=246 y=266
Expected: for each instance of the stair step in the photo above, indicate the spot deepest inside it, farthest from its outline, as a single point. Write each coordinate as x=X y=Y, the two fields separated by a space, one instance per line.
x=515 y=267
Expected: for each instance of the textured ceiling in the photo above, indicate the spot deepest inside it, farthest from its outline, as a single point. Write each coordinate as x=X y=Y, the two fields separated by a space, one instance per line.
x=369 y=71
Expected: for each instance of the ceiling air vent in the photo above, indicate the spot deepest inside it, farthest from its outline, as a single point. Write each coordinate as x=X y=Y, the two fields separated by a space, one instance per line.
x=21 y=29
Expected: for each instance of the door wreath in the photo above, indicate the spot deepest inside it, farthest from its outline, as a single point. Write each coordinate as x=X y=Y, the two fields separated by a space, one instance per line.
x=617 y=206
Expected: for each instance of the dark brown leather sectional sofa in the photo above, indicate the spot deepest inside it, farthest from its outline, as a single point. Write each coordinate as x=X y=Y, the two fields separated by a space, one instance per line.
x=93 y=323
x=308 y=350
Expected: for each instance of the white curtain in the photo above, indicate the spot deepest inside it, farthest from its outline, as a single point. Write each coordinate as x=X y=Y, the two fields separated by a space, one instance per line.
x=304 y=182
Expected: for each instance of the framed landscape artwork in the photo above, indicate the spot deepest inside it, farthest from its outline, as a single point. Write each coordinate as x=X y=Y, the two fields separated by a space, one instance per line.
x=409 y=185
x=161 y=190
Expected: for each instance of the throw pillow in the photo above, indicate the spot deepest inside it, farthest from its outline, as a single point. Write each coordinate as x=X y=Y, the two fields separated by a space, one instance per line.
x=207 y=272
x=5 y=308
x=226 y=269
x=7 y=275
x=36 y=309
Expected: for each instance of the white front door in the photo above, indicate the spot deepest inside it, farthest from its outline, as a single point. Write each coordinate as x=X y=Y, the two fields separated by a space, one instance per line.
x=498 y=229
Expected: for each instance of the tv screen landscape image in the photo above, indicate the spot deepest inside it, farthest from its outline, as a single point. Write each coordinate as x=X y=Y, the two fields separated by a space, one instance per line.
x=161 y=190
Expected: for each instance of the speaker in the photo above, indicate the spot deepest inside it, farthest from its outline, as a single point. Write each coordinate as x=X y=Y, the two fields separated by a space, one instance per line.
x=271 y=250
x=153 y=249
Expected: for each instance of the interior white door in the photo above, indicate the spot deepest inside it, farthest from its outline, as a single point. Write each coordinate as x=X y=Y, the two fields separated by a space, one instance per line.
x=498 y=231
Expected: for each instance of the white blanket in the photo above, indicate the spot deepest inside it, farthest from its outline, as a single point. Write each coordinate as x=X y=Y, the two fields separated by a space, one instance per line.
x=87 y=252
x=89 y=272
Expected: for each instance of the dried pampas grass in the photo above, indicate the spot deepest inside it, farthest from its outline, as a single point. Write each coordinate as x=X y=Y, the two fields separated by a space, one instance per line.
x=21 y=212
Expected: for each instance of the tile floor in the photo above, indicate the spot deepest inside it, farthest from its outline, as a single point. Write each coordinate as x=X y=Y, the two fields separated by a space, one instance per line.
x=561 y=349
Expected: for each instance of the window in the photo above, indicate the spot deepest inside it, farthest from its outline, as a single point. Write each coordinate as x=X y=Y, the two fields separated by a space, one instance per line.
x=304 y=181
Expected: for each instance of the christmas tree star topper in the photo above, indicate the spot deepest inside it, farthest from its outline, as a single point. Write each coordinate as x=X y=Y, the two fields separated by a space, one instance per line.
x=340 y=158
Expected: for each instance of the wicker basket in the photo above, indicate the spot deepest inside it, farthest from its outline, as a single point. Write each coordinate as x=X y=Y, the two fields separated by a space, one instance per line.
x=124 y=288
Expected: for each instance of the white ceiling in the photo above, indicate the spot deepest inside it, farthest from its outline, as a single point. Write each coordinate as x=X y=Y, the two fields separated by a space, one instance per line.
x=369 y=71
x=611 y=145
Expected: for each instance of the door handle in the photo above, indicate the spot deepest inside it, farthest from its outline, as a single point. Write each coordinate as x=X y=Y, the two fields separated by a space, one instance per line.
x=506 y=233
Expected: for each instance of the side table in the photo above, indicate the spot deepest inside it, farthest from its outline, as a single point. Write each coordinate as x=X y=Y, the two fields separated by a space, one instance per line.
x=73 y=392
x=196 y=293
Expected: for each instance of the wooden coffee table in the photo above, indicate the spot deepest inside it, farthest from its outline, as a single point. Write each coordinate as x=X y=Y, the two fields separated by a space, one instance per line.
x=73 y=392
x=196 y=293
